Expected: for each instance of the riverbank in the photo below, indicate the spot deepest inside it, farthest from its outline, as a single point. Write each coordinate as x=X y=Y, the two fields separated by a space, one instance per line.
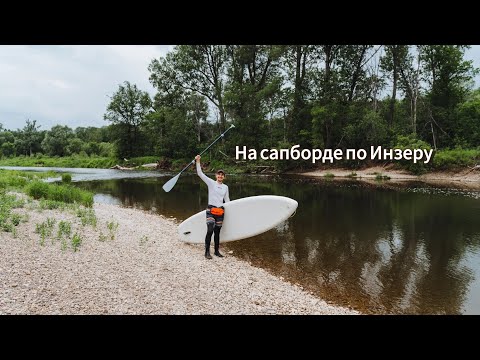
x=131 y=262
x=467 y=178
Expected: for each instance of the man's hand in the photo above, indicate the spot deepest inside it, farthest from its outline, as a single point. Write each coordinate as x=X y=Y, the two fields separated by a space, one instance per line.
x=197 y=158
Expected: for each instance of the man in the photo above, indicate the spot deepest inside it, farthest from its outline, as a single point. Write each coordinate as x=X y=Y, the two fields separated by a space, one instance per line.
x=217 y=195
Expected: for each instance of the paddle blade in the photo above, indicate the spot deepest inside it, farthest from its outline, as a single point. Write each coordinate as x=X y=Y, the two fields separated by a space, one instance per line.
x=170 y=183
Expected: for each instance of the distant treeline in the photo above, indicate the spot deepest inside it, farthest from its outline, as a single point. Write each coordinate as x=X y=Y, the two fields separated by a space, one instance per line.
x=317 y=96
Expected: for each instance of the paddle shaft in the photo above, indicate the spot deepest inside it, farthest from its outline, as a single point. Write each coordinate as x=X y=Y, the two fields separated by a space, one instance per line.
x=209 y=146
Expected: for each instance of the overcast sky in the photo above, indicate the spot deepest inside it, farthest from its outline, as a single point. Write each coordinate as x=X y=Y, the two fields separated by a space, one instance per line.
x=70 y=85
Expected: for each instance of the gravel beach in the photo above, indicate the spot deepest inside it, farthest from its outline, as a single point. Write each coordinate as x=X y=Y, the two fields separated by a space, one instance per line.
x=139 y=267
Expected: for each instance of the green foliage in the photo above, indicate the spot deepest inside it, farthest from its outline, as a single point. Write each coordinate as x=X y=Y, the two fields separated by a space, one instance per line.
x=76 y=242
x=74 y=146
x=7 y=203
x=137 y=161
x=411 y=142
x=316 y=96
x=56 y=140
x=64 y=229
x=87 y=216
x=370 y=129
x=284 y=165
x=73 y=161
x=51 y=204
x=12 y=179
x=66 y=178
x=16 y=219
x=128 y=110
x=450 y=78
x=467 y=121
x=63 y=193
x=112 y=228
x=45 y=229
x=455 y=158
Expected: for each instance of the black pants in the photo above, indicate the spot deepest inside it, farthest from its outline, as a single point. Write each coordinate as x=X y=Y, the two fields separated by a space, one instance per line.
x=212 y=229
x=214 y=225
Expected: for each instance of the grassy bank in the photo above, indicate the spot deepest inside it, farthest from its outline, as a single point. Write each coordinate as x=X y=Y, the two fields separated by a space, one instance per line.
x=443 y=160
x=67 y=161
x=51 y=195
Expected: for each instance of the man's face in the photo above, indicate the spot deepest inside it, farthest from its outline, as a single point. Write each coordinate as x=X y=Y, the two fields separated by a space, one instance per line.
x=220 y=177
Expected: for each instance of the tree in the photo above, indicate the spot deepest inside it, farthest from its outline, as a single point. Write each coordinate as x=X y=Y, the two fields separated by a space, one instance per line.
x=467 y=121
x=56 y=140
x=74 y=146
x=410 y=78
x=31 y=136
x=128 y=109
x=254 y=78
x=197 y=112
x=89 y=134
x=352 y=74
x=394 y=62
x=450 y=78
x=197 y=68
x=300 y=61
x=7 y=143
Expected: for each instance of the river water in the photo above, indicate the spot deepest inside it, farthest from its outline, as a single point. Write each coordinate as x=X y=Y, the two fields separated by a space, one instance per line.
x=378 y=247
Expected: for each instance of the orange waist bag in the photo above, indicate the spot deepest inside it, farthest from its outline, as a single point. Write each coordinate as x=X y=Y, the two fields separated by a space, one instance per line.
x=217 y=211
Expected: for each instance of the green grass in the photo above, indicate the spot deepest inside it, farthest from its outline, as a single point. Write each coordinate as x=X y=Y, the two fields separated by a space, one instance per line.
x=45 y=229
x=112 y=228
x=66 y=178
x=9 y=220
x=17 y=180
x=329 y=175
x=75 y=161
x=87 y=216
x=64 y=229
x=50 y=204
x=455 y=158
x=51 y=195
x=56 y=192
x=76 y=241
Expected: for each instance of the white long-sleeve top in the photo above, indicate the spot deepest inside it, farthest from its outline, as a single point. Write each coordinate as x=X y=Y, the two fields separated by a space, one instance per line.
x=216 y=192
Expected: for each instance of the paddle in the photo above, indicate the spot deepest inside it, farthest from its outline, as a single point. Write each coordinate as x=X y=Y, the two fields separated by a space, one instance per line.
x=171 y=183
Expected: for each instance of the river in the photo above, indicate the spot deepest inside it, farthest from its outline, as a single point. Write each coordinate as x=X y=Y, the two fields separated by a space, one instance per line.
x=380 y=247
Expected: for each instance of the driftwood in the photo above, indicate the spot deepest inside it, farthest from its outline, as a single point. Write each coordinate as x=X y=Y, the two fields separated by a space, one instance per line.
x=118 y=167
x=476 y=167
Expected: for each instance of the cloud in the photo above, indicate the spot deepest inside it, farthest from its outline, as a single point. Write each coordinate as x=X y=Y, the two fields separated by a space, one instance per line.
x=68 y=85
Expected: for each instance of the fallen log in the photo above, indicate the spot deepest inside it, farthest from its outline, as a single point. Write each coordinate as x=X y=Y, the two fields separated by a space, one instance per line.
x=476 y=167
x=118 y=167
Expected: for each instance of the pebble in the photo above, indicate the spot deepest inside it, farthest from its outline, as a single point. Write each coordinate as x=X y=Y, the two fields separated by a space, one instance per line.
x=121 y=276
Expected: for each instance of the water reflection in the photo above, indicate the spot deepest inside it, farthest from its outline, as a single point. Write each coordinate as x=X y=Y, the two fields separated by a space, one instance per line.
x=380 y=249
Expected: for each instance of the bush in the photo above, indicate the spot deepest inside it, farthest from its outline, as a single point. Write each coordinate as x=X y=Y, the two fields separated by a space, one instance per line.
x=66 y=178
x=63 y=193
x=411 y=142
x=458 y=157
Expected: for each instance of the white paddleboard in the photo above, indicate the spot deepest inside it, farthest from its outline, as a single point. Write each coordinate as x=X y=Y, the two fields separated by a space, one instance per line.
x=244 y=218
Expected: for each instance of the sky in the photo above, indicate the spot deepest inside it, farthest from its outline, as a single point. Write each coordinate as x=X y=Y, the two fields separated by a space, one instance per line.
x=71 y=84
x=66 y=84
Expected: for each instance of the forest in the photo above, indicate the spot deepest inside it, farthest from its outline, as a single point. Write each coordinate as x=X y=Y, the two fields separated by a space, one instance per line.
x=278 y=96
